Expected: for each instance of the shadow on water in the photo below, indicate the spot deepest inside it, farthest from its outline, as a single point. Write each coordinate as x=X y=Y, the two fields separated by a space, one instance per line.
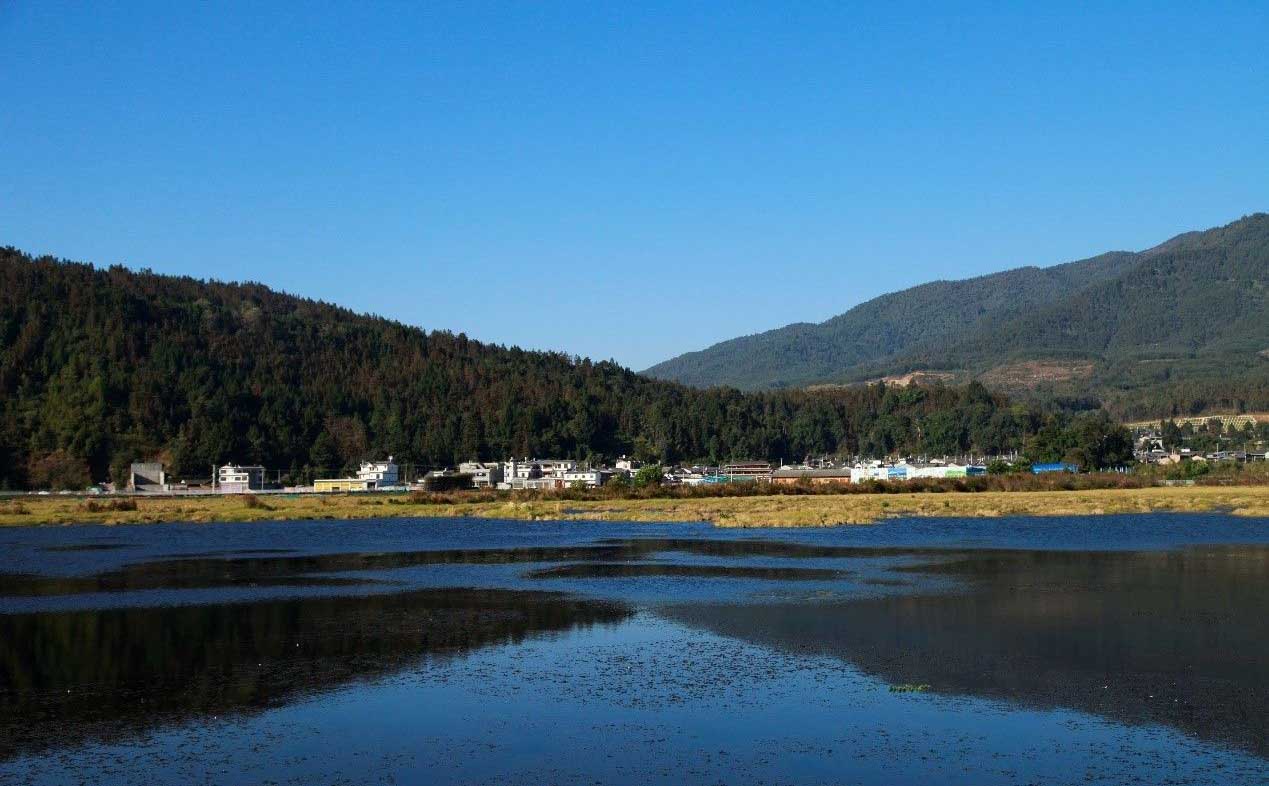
x=71 y=547
x=1171 y=637
x=619 y=570
x=67 y=677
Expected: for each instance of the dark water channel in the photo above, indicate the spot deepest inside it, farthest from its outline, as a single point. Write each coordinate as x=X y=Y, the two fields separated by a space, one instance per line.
x=1129 y=649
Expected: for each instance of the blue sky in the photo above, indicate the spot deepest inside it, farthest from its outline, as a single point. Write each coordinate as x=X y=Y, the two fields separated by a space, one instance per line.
x=621 y=180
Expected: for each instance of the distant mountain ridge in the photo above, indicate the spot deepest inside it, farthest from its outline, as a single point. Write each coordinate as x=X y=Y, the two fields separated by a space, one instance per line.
x=1195 y=300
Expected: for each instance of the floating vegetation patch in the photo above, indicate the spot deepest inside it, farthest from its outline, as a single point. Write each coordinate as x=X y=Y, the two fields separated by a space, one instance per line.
x=910 y=687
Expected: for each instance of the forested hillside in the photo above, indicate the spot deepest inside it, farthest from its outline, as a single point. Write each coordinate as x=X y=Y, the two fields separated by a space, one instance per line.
x=880 y=329
x=1181 y=326
x=99 y=368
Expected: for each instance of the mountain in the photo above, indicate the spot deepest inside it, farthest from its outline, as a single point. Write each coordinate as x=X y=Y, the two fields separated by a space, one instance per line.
x=102 y=367
x=881 y=328
x=1190 y=313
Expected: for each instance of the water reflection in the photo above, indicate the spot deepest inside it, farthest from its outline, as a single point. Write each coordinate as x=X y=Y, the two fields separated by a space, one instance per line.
x=217 y=571
x=68 y=676
x=1172 y=637
x=267 y=567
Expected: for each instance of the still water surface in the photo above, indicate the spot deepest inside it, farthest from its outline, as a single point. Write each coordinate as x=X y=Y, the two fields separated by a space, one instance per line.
x=1116 y=650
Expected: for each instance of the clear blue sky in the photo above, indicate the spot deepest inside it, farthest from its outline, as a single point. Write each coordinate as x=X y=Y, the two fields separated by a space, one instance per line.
x=621 y=180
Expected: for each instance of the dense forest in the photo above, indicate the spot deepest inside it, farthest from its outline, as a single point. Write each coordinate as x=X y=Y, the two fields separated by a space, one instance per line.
x=1173 y=330
x=103 y=367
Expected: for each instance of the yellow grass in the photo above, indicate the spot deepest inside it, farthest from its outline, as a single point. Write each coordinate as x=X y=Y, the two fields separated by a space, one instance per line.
x=768 y=511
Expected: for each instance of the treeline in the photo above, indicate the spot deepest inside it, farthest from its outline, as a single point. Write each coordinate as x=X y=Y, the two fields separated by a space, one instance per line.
x=100 y=368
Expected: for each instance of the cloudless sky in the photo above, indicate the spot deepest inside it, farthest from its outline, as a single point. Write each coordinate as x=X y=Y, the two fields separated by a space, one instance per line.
x=624 y=180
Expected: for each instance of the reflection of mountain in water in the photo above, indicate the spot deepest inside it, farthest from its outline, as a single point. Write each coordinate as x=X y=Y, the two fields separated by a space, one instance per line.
x=67 y=676
x=1166 y=637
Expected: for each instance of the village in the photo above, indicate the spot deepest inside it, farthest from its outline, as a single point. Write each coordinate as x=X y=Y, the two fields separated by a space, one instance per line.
x=1226 y=439
x=527 y=474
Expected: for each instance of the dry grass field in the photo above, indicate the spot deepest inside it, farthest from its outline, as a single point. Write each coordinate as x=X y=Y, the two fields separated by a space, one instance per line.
x=748 y=511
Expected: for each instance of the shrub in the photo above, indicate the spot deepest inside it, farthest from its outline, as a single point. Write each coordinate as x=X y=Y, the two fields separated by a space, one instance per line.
x=254 y=502
x=93 y=506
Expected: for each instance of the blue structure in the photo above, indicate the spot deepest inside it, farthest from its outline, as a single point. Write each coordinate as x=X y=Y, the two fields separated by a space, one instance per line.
x=1039 y=469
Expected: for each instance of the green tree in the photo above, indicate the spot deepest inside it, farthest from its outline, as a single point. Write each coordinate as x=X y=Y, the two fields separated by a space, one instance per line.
x=649 y=475
x=618 y=480
x=999 y=467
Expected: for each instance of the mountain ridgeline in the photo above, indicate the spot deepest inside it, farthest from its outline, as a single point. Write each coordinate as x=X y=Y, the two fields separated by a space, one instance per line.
x=1181 y=326
x=103 y=367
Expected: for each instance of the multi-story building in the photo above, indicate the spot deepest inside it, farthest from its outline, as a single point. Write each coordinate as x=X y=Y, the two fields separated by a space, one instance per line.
x=372 y=476
x=379 y=474
x=516 y=471
x=483 y=474
x=520 y=469
x=746 y=470
x=591 y=478
x=234 y=479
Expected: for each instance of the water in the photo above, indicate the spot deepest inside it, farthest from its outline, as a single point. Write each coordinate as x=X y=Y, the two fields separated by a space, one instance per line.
x=1116 y=650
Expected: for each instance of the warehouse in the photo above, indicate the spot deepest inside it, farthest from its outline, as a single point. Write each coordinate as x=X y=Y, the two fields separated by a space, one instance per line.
x=789 y=477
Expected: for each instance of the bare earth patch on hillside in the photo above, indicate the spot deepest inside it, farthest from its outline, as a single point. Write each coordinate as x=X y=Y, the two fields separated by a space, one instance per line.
x=917 y=378
x=1028 y=374
x=903 y=380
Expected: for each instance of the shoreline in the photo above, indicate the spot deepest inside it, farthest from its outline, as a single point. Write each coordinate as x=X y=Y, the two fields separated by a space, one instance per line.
x=820 y=510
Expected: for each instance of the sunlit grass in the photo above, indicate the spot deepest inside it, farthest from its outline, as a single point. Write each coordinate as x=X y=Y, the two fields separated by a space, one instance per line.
x=750 y=511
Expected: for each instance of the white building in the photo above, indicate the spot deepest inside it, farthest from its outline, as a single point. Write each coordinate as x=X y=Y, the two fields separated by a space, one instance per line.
x=556 y=466
x=592 y=478
x=872 y=471
x=484 y=474
x=378 y=474
x=234 y=479
x=520 y=469
x=527 y=469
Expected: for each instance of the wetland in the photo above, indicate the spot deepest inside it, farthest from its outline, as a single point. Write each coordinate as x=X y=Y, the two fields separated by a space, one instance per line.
x=1059 y=649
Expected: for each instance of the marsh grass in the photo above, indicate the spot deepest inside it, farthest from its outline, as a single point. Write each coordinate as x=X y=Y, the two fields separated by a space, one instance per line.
x=728 y=510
